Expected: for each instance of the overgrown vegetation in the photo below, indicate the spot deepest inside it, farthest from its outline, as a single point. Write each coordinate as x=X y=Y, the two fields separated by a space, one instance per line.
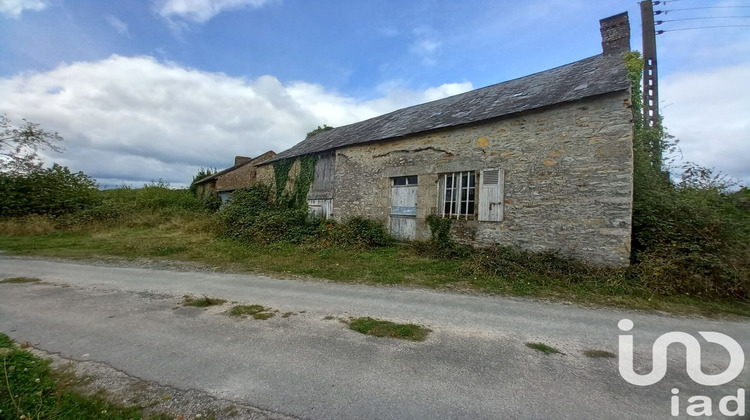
x=544 y=348
x=20 y=280
x=689 y=237
x=318 y=130
x=30 y=389
x=441 y=245
x=256 y=311
x=381 y=328
x=296 y=196
x=254 y=216
x=54 y=191
x=599 y=354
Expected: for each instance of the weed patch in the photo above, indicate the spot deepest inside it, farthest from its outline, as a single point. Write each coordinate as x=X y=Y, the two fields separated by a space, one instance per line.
x=599 y=354
x=21 y=280
x=256 y=311
x=203 y=302
x=544 y=348
x=380 y=328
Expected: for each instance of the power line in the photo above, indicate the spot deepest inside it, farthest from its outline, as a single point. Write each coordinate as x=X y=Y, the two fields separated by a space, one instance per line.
x=659 y=22
x=659 y=32
x=658 y=12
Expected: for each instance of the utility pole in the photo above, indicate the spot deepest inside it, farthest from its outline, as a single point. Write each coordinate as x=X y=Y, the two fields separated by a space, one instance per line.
x=650 y=77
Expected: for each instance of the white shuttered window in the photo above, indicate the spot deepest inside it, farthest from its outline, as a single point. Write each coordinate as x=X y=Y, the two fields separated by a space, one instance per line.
x=491 y=195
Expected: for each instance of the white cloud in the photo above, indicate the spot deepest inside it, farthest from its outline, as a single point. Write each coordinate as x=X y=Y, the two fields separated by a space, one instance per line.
x=135 y=119
x=708 y=112
x=118 y=25
x=14 y=8
x=426 y=45
x=202 y=10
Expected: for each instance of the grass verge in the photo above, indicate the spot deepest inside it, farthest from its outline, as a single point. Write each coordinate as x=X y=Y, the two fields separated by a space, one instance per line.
x=191 y=238
x=30 y=389
x=203 y=302
x=380 y=328
x=256 y=311
x=544 y=348
x=21 y=280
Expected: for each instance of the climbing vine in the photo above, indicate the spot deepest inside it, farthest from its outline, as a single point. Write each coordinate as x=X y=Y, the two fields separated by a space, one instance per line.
x=298 y=196
x=281 y=174
x=304 y=180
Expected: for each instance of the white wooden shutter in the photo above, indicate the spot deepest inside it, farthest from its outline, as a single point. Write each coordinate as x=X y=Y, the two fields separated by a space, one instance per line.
x=491 y=195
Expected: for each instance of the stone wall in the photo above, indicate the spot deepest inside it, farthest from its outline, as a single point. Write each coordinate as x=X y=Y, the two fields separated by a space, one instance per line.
x=568 y=177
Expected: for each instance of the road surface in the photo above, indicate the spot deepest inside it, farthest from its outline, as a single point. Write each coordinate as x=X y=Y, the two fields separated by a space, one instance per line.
x=473 y=365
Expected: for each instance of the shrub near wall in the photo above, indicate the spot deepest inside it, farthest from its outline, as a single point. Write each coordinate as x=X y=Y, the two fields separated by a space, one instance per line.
x=254 y=215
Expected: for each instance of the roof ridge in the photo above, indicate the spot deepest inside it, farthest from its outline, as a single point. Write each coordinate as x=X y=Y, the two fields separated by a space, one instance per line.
x=587 y=77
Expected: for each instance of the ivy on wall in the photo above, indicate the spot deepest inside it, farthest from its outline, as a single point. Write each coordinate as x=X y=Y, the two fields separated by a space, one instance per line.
x=298 y=196
x=281 y=175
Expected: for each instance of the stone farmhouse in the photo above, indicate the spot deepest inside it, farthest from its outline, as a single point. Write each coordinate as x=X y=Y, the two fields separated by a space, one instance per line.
x=241 y=175
x=543 y=162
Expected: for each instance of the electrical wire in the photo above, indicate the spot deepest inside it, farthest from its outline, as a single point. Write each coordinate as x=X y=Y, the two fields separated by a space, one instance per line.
x=658 y=12
x=659 y=22
x=661 y=31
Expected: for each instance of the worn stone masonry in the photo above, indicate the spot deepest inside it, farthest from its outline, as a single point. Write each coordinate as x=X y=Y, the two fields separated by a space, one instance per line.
x=568 y=178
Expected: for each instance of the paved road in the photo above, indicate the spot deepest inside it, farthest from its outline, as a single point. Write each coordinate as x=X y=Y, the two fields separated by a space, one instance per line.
x=473 y=365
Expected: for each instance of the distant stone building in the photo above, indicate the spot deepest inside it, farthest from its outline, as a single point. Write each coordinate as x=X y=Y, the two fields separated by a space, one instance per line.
x=241 y=175
x=543 y=162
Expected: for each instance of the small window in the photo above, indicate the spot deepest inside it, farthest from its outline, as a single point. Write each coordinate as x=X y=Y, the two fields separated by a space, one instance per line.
x=405 y=180
x=457 y=195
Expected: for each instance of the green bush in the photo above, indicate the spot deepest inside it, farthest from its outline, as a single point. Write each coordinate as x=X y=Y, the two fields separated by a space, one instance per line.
x=692 y=241
x=358 y=232
x=513 y=264
x=252 y=215
x=54 y=191
x=691 y=237
x=441 y=245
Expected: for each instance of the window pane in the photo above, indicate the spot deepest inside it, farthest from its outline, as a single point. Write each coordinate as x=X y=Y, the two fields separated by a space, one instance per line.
x=458 y=194
x=412 y=180
x=399 y=181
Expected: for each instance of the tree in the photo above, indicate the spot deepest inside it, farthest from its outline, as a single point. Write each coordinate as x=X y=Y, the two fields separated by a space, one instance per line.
x=203 y=173
x=20 y=146
x=318 y=130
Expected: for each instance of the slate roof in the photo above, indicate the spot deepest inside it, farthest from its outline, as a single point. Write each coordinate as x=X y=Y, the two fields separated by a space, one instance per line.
x=592 y=76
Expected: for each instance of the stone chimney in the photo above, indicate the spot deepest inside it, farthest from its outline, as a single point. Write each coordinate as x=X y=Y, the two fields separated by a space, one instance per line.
x=241 y=159
x=615 y=34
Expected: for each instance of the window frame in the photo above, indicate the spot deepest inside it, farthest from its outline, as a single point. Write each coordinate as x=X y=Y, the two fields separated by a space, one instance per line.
x=464 y=197
x=408 y=181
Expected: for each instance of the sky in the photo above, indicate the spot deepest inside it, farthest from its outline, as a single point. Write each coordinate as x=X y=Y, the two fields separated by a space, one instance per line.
x=148 y=90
